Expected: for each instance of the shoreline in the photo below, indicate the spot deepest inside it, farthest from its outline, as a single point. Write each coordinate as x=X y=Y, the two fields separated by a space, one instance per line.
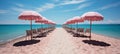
x=17 y=37
x=12 y=40
x=107 y=36
x=23 y=36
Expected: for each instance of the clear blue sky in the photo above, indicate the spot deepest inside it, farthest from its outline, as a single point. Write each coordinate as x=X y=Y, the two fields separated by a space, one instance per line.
x=59 y=10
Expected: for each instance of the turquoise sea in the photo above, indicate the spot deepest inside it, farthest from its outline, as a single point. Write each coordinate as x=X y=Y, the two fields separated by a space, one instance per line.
x=111 y=30
x=9 y=32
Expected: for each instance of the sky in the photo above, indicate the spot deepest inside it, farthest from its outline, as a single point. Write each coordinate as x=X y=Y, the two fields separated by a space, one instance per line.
x=59 y=11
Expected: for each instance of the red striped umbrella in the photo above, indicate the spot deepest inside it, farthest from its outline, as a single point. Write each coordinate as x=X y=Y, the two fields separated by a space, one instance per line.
x=50 y=22
x=79 y=20
x=29 y=15
x=92 y=16
x=42 y=21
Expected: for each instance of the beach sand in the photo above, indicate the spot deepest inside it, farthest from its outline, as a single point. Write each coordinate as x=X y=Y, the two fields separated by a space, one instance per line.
x=61 y=42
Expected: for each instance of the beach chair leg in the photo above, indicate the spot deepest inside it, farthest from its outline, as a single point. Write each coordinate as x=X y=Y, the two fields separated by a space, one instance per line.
x=26 y=38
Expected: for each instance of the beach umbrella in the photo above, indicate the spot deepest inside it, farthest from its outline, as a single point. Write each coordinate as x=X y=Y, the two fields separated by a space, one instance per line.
x=92 y=16
x=51 y=23
x=77 y=19
x=29 y=15
x=70 y=21
x=42 y=21
x=64 y=24
x=39 y=21
x=45 y=20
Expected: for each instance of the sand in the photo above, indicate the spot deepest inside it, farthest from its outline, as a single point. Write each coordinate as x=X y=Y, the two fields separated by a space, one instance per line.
x=61 y=42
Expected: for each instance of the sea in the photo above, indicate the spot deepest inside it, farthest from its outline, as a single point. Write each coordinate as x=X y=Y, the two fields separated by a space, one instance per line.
x=12 y=31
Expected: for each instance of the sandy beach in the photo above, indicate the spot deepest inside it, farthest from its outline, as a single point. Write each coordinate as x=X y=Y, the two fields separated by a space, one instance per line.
x=61 y=42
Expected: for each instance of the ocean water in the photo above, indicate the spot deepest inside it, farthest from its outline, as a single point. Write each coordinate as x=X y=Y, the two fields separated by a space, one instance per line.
x=111 y=30
x=9 y=32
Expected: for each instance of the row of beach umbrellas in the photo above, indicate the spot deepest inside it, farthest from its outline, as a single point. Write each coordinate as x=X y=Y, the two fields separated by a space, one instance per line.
x=89 y=16
x=34 y=16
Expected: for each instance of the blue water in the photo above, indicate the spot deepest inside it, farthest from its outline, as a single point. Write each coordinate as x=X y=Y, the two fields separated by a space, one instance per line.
x=111 y=30
x=8 y=32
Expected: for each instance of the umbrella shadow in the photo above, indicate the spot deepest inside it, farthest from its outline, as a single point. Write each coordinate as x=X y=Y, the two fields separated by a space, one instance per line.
x=70 y=32
x=26 y=42
x=78 y=35
x=96 y=43
x=40 y=36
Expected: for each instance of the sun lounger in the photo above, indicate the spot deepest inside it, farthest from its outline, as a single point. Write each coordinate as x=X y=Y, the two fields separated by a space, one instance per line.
x=35 y=33
x=28 y=33
x=80 y=31
x=87 y=32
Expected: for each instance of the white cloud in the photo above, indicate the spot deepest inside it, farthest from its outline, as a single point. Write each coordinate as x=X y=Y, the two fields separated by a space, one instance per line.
x=48 y=6
x=19 y=5
x=55 y=0
x=79 y=7
x=109 y=6
x=18 y=9
x=68 y=2
x=3 y=11
x=45 y=7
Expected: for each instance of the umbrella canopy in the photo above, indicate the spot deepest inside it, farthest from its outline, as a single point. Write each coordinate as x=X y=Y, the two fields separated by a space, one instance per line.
x=78 y=19
x=40 y=21
x=70 y=21
x=92 y=16
x=30 y=15
x=43 y=20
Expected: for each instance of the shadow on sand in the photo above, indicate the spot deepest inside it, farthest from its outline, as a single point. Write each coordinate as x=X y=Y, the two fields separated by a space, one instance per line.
x=96 y=43
x=78 y=35
x=40 y=36
x=26 y=42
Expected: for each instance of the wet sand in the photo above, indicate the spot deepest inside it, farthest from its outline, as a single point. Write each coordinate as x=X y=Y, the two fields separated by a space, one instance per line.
x=61 y=42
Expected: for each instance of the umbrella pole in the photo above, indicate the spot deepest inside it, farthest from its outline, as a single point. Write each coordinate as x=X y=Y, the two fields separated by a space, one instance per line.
x=77 y=25
x=31 y=28
x=90 y=28
x=41 y=25
x=77 y=28
x=41 y=29
x=71 y=26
